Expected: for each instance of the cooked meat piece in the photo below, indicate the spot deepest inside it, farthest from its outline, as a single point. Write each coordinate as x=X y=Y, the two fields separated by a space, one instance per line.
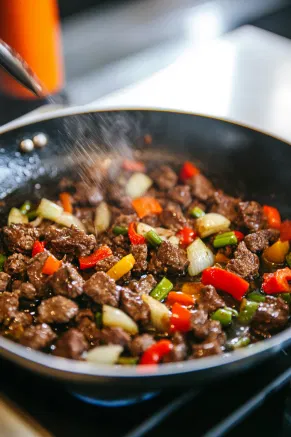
x=86 y=215
x=69 y=241
x=179 y=351
x=205 y=349
x=210 y=300
x=172 y=217
x=84 y=313
x=34 y=272
x=57 y=309
x=252 y=215
x=116 y=195
x=168 y=258
x=19 y=323
x=87 y=194
x=272 y=315
x=225 y=205
x=67 y=282
x=260 y=240
x=114 y=336
x=164 y=177
x=144 y=285
x=88 y=327
x=181 y=194
x=105 y=264
x=20 y=238
x=152 y=220
x=102 y=289
x=140 y=344
x=71 y=345
x=245 y=263
x=37 y=336
x=199 y=323
x=216 y=332
x=140 y=253
x=16 y=284
x=4 y=281
x=134 y=306
x=201 y=187
x=27 y=291
x=9 y=303
x=16 y=264
x=125 y=219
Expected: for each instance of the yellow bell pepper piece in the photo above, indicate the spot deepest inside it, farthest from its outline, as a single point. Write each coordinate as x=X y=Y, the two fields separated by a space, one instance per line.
x=277 y=252
x=192 y=288
x=220 y=258
x=122 y=267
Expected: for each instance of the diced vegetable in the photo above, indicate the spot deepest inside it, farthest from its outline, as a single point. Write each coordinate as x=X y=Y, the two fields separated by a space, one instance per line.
x=273 y=216
x=143 y=229
x=225 y=281
x=51 y=265
x=256 y=296
x=2 y=261
x=200 y=257
x=68 y=220
x=285 y=231
x=120 y=230
x=98 y=319
x=127 y=361
x=66 y=201
x=156 y=352
x=181 y=298
x=131 y=165
x=108 y=354
x=121 y=267
x=225 y=239
x=137 y=185
x=188 y=171
x=87 y=262
x=180 y=319
x=223 y=315
x=221 y=258
x=36 y=222
x=115 y=318
x=38 y=247
x=159 y=313
x=277 y=252
x=288 y=259
x=197 y=212
x=247 y=311
x=146 y=206
x=239 y=235
x=162 y=289
x=16 y=217
x=286 y=297
x=102 y=218
x=26 y=207
x=174 y=240
x=153 y=238
x=193 y=288
x=238 y=342
x=49 y=210
x=277 y=282
x=186 y=236
x=211 y=224
x=134 y=237
x=32 y=215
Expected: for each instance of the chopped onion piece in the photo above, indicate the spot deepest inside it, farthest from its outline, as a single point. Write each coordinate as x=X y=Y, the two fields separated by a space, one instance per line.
x=143 y=229
x=137 y=185
x=199 y=256
x=49 y=210
x=115 y=318
x=108 y=354
x=159 y=313
x=36 y=222
x=68 y=220
x=16 y=217
x=174 y=240
x=211 y=223
x=164 y=233
x=102 y=218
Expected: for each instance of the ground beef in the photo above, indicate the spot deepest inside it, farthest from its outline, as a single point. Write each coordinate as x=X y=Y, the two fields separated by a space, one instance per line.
x=210 y=300
x=16 y=264
x=35 y=275
x=260 y=240
x=168 y=258
x=179 y=351
x=27 y=291
x=114 y=336
x=86 y=216
x=140 y=344
x=172 y=217
x=225 y=205
x=17 y=326
x=9 y=303
x=252 y=215
x=144 y=285
x=71 y=344
x=20 y=238
x=69 y=241
x=134 y=306
x=4 y=281
x=272 y=315
x=140 y=253
x=164 y=177
x=105 y=264
x=201 y=187
x=38 y=336
x=102 y=289
x=67 y=282
x=181 y=194
x=245 y=263
x=57 y=309
x=87 y=194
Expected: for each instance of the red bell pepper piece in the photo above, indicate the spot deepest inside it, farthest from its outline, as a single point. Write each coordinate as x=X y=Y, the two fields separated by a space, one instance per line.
x=38 y=247
x=87 y=262
x=181 y=298
x=225 y=281
x=188 y=171
x=180 y=319
x=277 y=282
x=155 y=353
x=273 y=216
x=285 y=231
x=131 y=165
x=186 y=235
x=134 y=237
x=51 y=265
x=239 y=236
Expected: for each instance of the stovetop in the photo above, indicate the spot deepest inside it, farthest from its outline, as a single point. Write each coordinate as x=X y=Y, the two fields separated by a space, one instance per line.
x=257 y=402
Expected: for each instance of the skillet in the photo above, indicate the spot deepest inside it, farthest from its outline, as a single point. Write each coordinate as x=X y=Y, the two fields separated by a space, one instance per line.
x=240 y=160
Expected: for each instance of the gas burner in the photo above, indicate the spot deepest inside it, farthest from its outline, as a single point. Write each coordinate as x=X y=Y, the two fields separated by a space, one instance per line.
x=113 y=403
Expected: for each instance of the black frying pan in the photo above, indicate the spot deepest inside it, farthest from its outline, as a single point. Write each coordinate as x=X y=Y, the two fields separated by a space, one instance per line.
x=241 y=160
